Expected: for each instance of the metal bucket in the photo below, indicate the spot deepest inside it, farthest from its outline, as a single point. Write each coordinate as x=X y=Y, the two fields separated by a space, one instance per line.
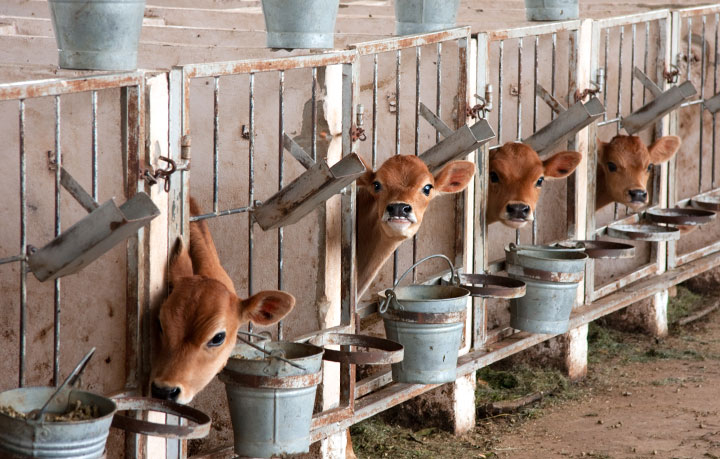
x=76 y=439
x=551 y=278
x=422 y=16
x=97 y=34
x=551 y=10
x=428 y=321
x=271 y=402
x=300 y=23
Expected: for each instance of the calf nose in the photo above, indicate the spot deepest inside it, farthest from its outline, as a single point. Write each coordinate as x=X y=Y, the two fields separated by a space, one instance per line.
x=638 y=195
x=165 y=393
x=399 y=209
x=520 y=210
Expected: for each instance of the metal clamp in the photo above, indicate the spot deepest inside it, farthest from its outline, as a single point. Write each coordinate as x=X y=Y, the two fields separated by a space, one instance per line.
x=671 y=76
x=152 y=177
x=390 y=293
x=484 y=105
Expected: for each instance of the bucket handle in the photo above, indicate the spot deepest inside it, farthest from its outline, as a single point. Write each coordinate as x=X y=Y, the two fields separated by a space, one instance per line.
x=390 y=293
x=273 y=355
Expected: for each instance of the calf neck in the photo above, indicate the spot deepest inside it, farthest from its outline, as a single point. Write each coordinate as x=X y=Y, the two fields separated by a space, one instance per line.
x=197 y=325
x=391 y=203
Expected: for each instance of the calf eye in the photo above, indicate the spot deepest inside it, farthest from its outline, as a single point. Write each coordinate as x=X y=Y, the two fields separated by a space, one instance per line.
x=540 y=182
x=612 y=167
x=426 y=189
x=377 y=186
x=494 y=178
x=650 y=167
x=217 y=340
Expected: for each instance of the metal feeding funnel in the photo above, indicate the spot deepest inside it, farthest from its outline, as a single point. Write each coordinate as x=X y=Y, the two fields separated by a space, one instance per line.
x=105 y=226
x=316 y=185
x=456 y=144
x=713 y=103
x=664 y=103
x=568 y=122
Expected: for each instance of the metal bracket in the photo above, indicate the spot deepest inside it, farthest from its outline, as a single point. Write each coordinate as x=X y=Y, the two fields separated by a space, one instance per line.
x=152 y=177
x=568 y=122
x=664 y=103
x=456 y=144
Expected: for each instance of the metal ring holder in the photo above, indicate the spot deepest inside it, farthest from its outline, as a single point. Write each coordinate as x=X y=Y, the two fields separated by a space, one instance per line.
x=199 y=428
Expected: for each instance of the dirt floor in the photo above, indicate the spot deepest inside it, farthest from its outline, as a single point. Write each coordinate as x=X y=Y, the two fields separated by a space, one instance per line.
x=643 y=398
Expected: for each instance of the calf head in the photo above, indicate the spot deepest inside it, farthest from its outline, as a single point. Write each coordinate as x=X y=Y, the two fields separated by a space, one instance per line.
x=401 y=189
x=197 y=325
x=624 y=166
x=516 y=178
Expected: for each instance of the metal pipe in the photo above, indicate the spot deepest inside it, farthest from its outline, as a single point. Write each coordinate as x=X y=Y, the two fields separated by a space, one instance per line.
x=438 y=89
x=701 y=108
x=313 y=146
x=418 y=55
x=501 y=89
x=216 y=141
x=56 y=318
x=554 y=73
x=715 y=90
x=375 y=111
x=605 y=92
x=281 y=177
x=23 y=246
x=519 y=86
x=398 y=61
x=251 y=187
x=93 y=103
x=632 y=66
x=647 y=50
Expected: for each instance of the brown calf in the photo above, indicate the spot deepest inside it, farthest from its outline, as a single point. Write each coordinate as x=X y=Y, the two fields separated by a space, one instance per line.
x=391 y=203
x=198 y=323
x=623 y=168
x=516 y=177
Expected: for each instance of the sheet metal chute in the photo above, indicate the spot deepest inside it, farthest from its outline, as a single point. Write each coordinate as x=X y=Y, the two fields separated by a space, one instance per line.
x=568 y=121
x=664 y=103
x=456 y=144
x=105 y=226
x=315 y=186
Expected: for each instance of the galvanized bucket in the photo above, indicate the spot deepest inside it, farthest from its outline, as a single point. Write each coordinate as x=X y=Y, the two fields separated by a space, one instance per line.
x=300 y=23
x=76 y=439
x=551 y=277
x=271 y=401
x=428 y=321
x=551 y=10
x=422 y=16
x=97 y=34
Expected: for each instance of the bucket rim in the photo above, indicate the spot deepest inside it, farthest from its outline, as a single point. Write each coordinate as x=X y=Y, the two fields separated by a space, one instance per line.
x=50 y=390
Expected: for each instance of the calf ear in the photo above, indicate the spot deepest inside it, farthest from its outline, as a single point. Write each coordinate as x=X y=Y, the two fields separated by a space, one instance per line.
x=601 y=148
x=266 y=307
x=664 y=148
x=454 y=177
x=180 y=263
x=368 y=177
x=561 y=164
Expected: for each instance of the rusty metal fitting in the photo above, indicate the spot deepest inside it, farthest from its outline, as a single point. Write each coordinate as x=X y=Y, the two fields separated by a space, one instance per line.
x=581 y=95
x=152 y=177
x=357 y=133
x=671 y=76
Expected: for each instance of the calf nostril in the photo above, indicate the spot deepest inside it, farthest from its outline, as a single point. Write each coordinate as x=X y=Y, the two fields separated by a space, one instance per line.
x=638 y=195
x=164 y=393
x=407 y=210
x=390 y=208
x=518 y=210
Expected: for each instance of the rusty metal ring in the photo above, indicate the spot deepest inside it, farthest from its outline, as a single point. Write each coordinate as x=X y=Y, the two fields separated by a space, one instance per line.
x=680 y=216
x=425 y=317
x=388 y=351
x=603 y=249
x=546 y=276
x=199 y=428
x=271 y=382
x=491 y=286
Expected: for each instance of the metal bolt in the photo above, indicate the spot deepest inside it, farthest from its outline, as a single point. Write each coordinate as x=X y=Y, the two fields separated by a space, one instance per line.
x=360 y=111
x=600 y=80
